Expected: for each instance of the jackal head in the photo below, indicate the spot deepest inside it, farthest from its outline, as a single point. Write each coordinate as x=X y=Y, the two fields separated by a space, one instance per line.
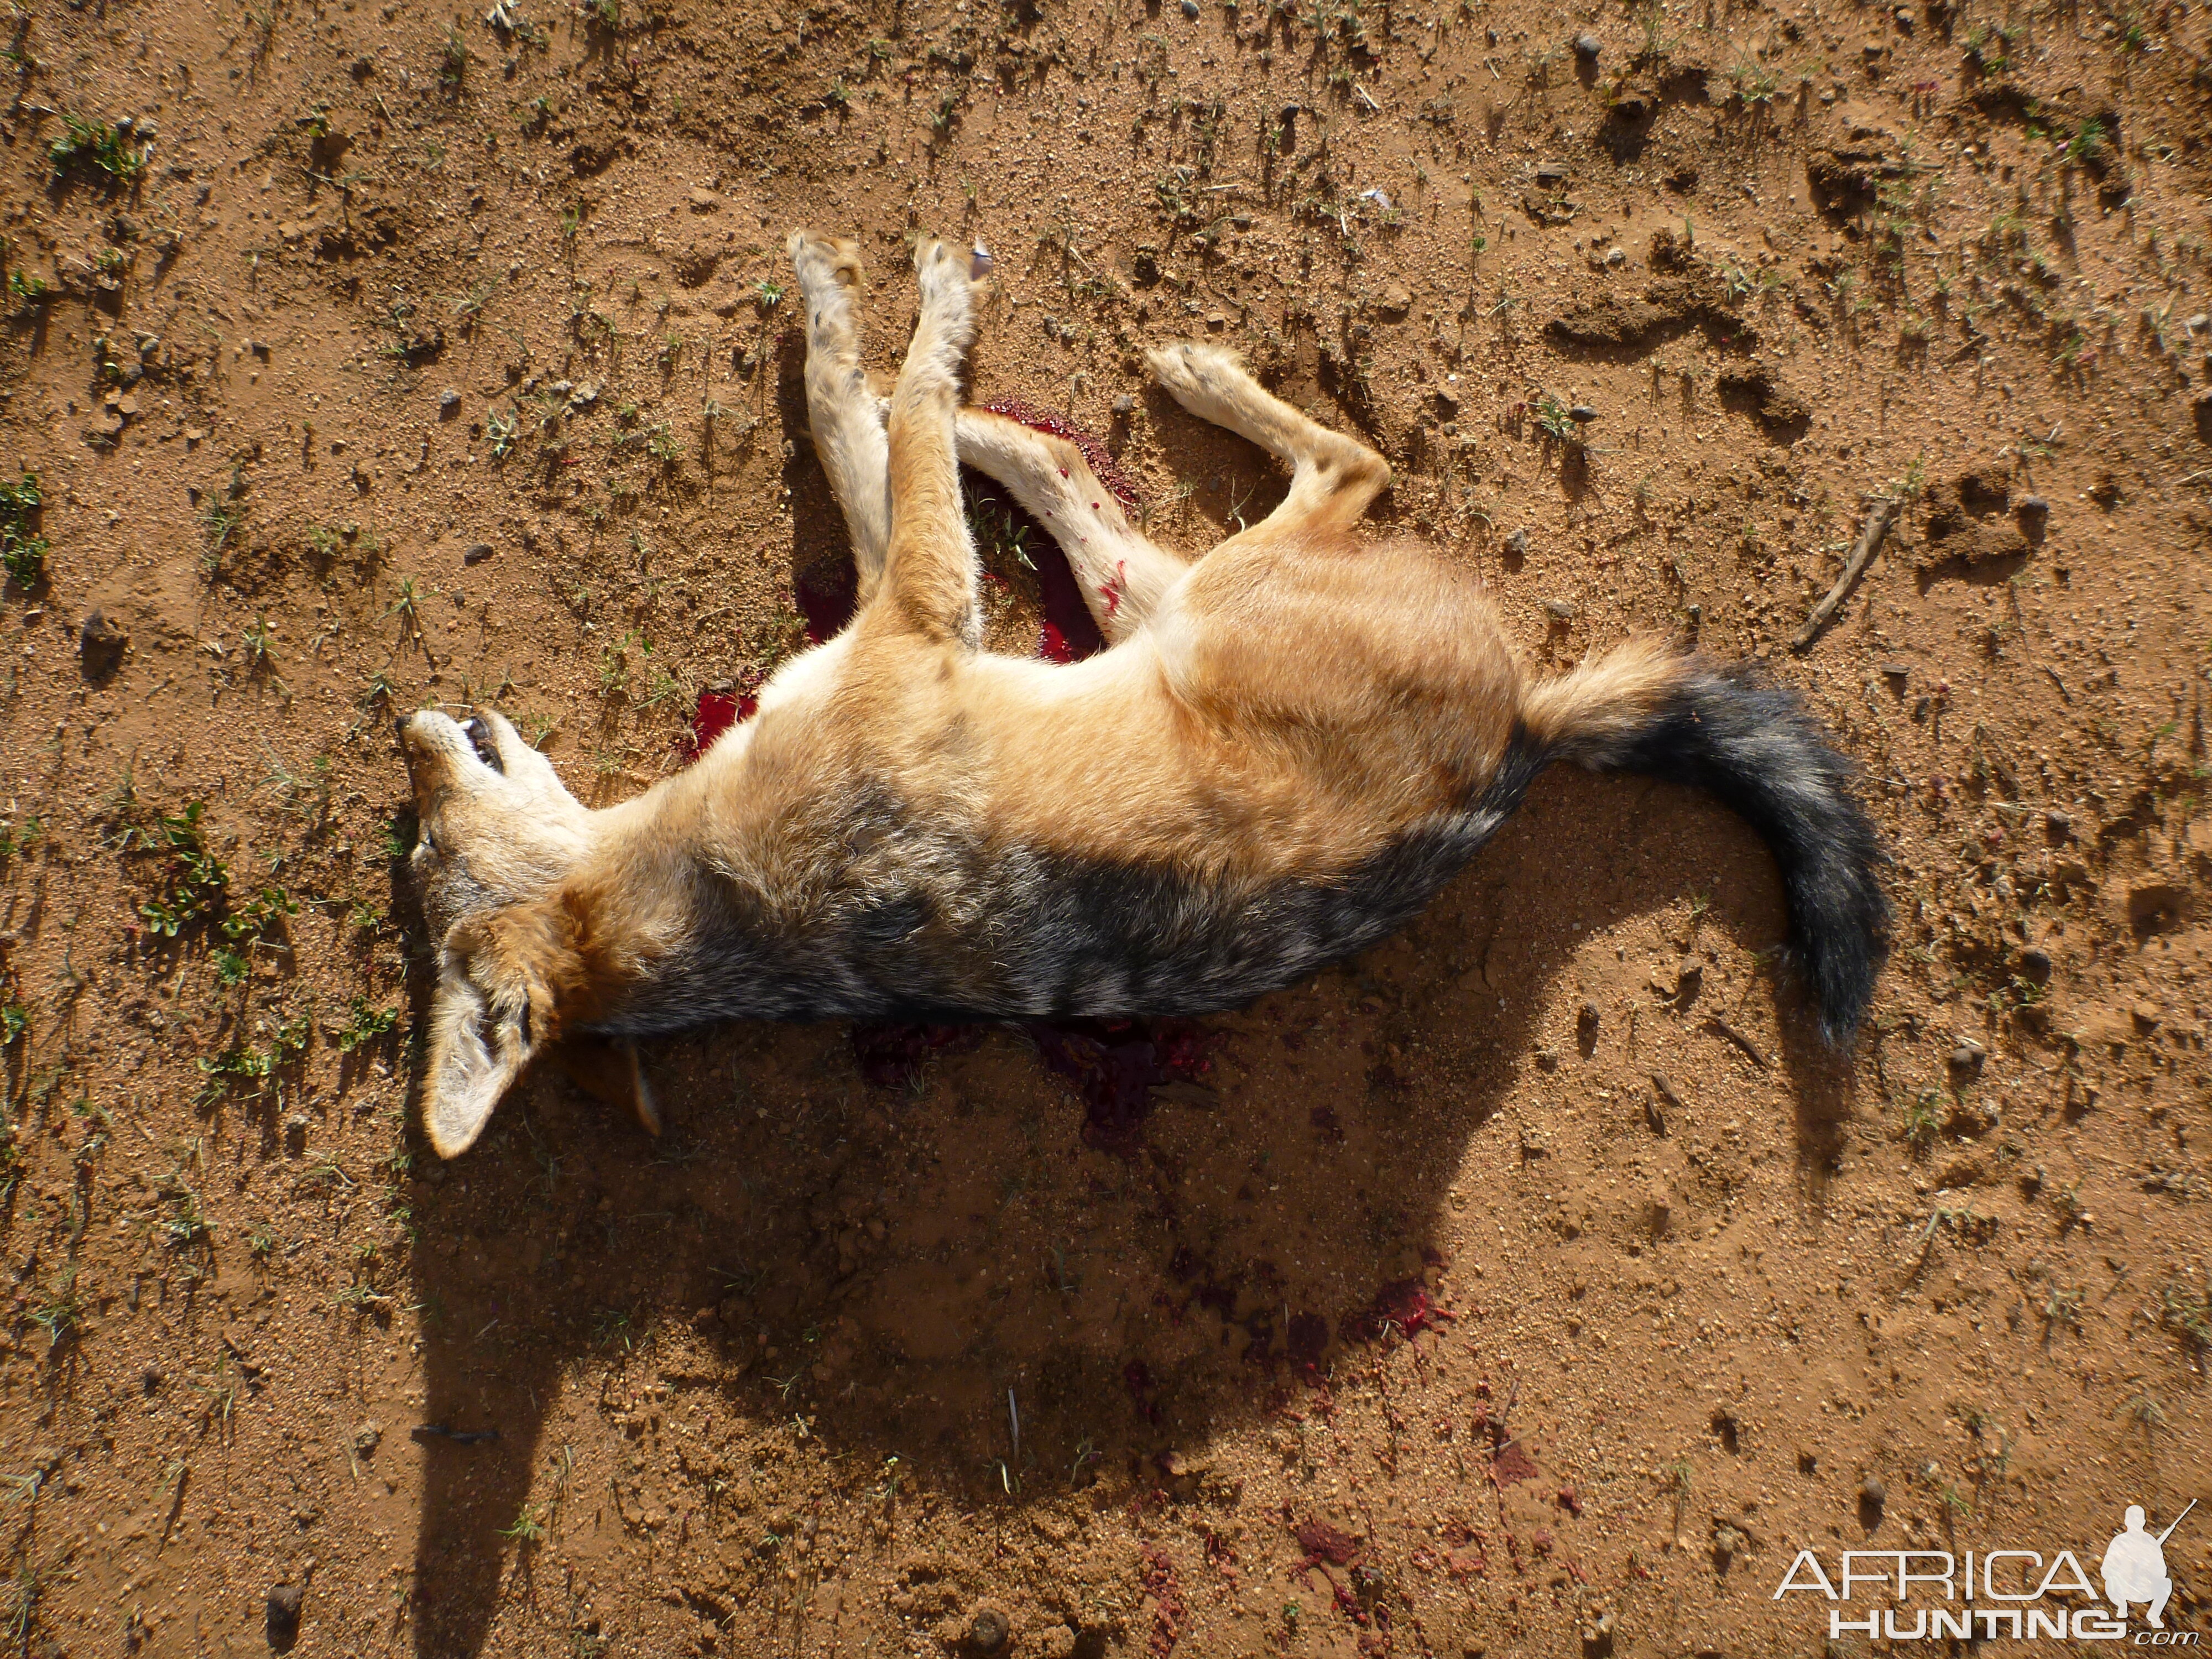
x=499 y=832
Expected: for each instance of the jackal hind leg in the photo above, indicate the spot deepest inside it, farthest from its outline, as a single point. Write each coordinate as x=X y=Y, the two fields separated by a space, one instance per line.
x=1333 y=478
x=929 y=573
x=842 y=410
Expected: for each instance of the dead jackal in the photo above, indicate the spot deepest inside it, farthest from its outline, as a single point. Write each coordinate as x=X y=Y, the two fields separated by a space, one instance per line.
x=1310 y=734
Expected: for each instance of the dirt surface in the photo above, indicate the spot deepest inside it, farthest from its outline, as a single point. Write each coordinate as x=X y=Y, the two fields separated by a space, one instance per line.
x=1534 y=1283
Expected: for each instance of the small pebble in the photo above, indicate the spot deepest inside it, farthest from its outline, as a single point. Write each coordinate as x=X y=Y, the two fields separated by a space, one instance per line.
x=1616 y=258
x=1586 y=47
x=2033 y=506
x=1190 y=9
x=1582 y=414
x=1559 y=609
x=1125 y=405
x=1872 y=1496
x=987 y=1633
x=477 y=554
x=448 y=401
x=1517 y=542
x=101 y=646
x=284 y=1603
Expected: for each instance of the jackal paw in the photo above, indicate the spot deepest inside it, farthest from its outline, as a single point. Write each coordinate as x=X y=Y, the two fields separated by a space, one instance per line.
x=1202 y=378
x=949 y=274
x=823 y=262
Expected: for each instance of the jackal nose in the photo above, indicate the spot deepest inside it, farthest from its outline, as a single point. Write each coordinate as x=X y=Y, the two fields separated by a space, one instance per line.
x=399 y=727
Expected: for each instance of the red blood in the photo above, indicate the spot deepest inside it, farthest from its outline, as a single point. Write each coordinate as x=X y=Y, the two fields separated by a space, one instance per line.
x=717 y=711
x=1114 y=1065
x=1510 y=1463
x=1117 y=484
x=1053 y=646
x=1139 y=1382
x=1070 y=631
x=826 y=590
x=1322 y=1542
x=1406 y=1304
x=1170 y=1617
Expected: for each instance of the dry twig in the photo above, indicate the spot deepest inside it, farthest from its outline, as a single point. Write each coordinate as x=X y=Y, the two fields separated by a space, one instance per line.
x=1879 y=516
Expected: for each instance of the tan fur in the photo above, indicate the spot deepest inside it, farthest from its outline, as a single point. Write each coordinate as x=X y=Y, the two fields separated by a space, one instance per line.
x=1602 y=701
x=848 y=437
x=1288 y=705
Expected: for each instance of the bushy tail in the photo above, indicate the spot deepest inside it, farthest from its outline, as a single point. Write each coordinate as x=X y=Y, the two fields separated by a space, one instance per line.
x=1646 y=708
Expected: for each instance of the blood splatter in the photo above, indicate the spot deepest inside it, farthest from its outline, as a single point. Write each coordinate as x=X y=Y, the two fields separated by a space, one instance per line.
x=1323 y=1543
x=1070 y=631
x=1116 y=1064
x=1053 y=646
x=1509 y=1464
x=1094 y=452
x=1404 y=1304
x=1170 y=1617
x=826 y=590
x=1307 y=1339
x=1138 y=1380
x=716 y=712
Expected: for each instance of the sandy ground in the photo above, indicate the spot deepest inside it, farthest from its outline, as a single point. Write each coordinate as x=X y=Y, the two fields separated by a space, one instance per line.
x=1535 y=1283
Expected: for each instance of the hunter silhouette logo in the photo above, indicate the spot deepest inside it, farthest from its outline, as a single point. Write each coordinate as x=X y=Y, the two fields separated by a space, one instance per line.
x=2135 y=1568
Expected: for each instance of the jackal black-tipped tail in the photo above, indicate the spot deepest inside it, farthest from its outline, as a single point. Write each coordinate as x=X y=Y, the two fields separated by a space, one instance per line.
x=1645 y=709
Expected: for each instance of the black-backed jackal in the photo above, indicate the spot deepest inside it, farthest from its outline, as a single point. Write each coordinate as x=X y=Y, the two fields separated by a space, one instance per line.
x=1311 y=733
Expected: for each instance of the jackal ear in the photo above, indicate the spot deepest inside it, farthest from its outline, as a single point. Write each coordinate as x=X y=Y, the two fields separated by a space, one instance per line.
x=481 y=1039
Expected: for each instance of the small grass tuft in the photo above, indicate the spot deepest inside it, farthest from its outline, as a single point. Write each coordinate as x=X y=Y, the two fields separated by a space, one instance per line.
x=22 y=552
x=99 y=146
